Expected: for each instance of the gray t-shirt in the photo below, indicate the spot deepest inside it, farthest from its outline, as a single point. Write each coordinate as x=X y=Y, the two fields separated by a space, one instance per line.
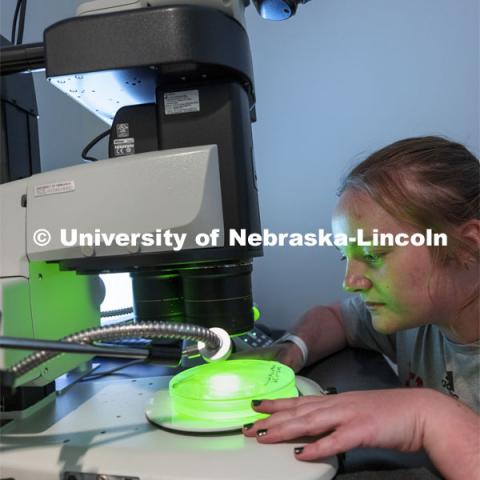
x=424 y=356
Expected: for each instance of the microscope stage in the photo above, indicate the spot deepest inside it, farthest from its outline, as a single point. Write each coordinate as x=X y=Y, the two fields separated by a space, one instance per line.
x=99 y=428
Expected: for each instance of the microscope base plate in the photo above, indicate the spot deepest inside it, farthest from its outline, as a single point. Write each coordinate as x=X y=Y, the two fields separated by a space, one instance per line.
x=99 y=428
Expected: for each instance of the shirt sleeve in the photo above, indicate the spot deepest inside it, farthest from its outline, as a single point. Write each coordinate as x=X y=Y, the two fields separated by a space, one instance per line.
x=359 y=330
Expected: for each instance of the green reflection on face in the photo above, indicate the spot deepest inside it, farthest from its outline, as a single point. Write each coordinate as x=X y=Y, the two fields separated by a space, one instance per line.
x=373 y=256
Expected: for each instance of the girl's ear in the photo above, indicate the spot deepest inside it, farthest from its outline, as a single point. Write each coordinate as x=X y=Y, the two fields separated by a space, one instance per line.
x=469 y=233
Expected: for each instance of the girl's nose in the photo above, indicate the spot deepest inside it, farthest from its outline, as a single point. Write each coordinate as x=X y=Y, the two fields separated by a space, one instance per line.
x=355 y=280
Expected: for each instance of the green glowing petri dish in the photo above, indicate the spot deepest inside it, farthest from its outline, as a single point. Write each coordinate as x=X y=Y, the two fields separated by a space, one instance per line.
x=222 y=392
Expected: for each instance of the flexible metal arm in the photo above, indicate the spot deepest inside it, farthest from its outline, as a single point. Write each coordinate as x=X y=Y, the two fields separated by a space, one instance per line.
x=138 y=330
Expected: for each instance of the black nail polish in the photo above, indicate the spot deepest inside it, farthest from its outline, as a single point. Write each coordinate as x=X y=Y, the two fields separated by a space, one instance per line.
x=248 y=426
x=298 y=450
x=256 y=403
x=262 y=433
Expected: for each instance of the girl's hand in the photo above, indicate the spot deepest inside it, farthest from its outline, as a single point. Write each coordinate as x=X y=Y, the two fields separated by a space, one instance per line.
x=400 y=419
x=381 y=418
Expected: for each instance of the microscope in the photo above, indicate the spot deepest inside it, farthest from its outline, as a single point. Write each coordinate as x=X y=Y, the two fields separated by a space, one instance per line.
x=174 y=82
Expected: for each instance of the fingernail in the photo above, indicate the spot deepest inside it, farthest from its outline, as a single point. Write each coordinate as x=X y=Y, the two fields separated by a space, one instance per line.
x=256 y=403
x=262 y=433
x=248 y=426
x=298 y=450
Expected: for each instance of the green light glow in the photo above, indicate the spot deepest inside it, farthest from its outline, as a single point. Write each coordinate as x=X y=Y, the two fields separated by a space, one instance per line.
x=222 y=392
x=223 y=385
x=256 y=313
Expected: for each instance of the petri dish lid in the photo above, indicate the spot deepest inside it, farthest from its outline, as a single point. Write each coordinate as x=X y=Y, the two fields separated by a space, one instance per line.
x=223 y=391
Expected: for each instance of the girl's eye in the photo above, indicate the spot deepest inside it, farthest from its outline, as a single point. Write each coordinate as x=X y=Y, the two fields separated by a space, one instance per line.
x=372 y=259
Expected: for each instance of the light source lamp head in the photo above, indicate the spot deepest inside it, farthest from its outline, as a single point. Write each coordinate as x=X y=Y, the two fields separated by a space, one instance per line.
x=277 y=9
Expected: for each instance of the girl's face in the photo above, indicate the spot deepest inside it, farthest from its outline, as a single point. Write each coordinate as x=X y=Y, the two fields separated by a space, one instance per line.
x=400 y=285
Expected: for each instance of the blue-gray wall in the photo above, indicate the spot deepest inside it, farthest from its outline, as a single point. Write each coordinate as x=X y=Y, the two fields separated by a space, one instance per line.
x=339 y=80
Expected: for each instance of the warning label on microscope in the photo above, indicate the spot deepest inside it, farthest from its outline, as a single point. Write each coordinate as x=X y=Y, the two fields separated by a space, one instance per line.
x=54 y=188
x=181 y=102
x=123 y=146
